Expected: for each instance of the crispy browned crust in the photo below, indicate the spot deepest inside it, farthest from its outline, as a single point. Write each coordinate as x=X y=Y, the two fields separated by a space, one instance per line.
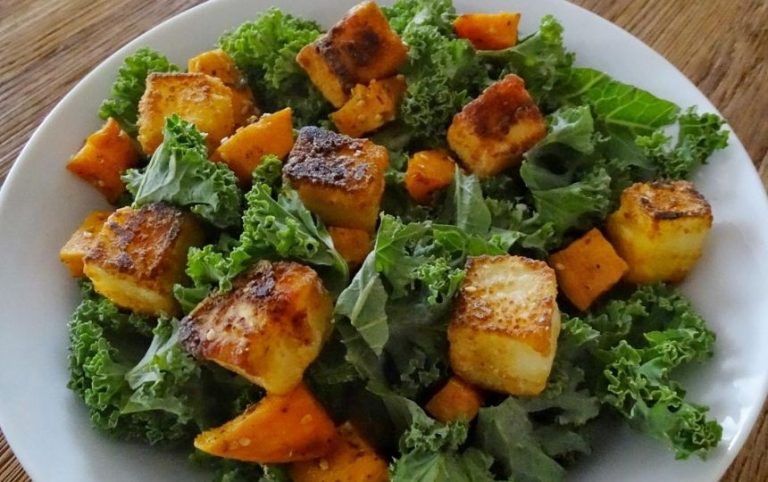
x=324 y=158
x=667 y=200
x=479 y=307
x=135 y=242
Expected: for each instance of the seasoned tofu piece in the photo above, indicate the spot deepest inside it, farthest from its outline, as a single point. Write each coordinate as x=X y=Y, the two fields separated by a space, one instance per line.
x=660 y=229
x=492 y=132
x=217 y=63
x=73 y=252
x=139 y=254
x=457 y=400
x=268 y=328
x=198 y=98
x=352 y=244
x=276 y=430
x=339 y=178
x=505 y=323
x=587 y=268
x=350 y=459
x=359 y=48
x=370 y=106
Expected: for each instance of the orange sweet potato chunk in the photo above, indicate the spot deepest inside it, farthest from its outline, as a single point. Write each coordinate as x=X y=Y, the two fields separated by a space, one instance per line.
x=457 y=400
x=72 y=253
x=370 y=106
x=271 y=134
x=107 y=153
x=488 y=31
x=352 y=244
x=428 y=172
x=587 y=268
x=278 y=429
x=351 y=459
x=218 y=63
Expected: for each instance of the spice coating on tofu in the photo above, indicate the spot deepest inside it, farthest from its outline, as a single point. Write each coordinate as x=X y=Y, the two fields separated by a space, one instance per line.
x=492 y=132
x=339 y=178
x=361 y=47
x=268 y=328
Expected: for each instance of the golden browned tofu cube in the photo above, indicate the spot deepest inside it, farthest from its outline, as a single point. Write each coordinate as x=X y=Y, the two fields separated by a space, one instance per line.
x=350 y=459
x=660 y=229
x=505 y=323
x=359 y=48
x=370 y=106
x=492 y=132
x=268 y=328
x=73 y=252
x=217 y=63
x=198 y=98
x=339 y=178
x=587 y=268
x=139 y=254
x=352 y=244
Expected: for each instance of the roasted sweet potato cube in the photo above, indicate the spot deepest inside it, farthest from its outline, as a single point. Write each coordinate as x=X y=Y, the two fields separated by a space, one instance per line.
x=587 y=268
x=217 y=63
x=457 y=400
x=492 y=132
x=350 y=459
x=427 y=173
x=106 y=154
x=488 y=31
x=198 y=98
x=359 y=48
x=268 y=328
x=370 y=106
x=505 y=323
x=339 y=178
x=660 y=229
x=139 y=254
x=277 y=430
x=352 y=244
x=271 y=134
x=73 y=252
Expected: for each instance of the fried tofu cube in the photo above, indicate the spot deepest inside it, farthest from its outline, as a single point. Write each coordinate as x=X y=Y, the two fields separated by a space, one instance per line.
x=457 y=400
x=268 y=328
x=370 y=106
x=587 y=268
x=428 y=172
x=352 y=244
x=660 y=229
x=277 y=430
x=73 y=252
x=359 y=48
x=350 y=459
x=339 y=178
x=217 y=63
x=243 y=151
x=197 y=98
x=492 y=132
x=104 y=157
x=139 y=254
x=504 y=325
x=488 y=31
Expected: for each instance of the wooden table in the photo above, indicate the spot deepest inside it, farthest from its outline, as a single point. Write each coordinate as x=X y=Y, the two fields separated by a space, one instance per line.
x=722 y=45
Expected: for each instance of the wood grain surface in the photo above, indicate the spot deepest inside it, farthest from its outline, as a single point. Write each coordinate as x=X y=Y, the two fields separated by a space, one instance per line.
x=721 y=45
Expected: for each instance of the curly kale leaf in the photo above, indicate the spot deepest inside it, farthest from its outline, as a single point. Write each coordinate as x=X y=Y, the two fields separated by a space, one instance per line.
x=123 y=102
x=265 y=50
x=156 y=400
x=180 y=173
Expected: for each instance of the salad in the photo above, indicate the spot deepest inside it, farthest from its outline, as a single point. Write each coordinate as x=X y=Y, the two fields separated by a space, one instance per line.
x=416 y=246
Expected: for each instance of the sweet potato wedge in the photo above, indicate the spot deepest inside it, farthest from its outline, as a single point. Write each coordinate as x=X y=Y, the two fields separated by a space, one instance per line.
x=457 y=400
x=370 y=106
x=488 y=31
x=73 y=252
x=428 y=172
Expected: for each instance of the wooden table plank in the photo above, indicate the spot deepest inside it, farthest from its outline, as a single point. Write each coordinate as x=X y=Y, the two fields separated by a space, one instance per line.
x=719 y=44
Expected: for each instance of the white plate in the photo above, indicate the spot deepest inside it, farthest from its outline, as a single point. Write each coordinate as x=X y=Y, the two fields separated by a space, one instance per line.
x=41 y=204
